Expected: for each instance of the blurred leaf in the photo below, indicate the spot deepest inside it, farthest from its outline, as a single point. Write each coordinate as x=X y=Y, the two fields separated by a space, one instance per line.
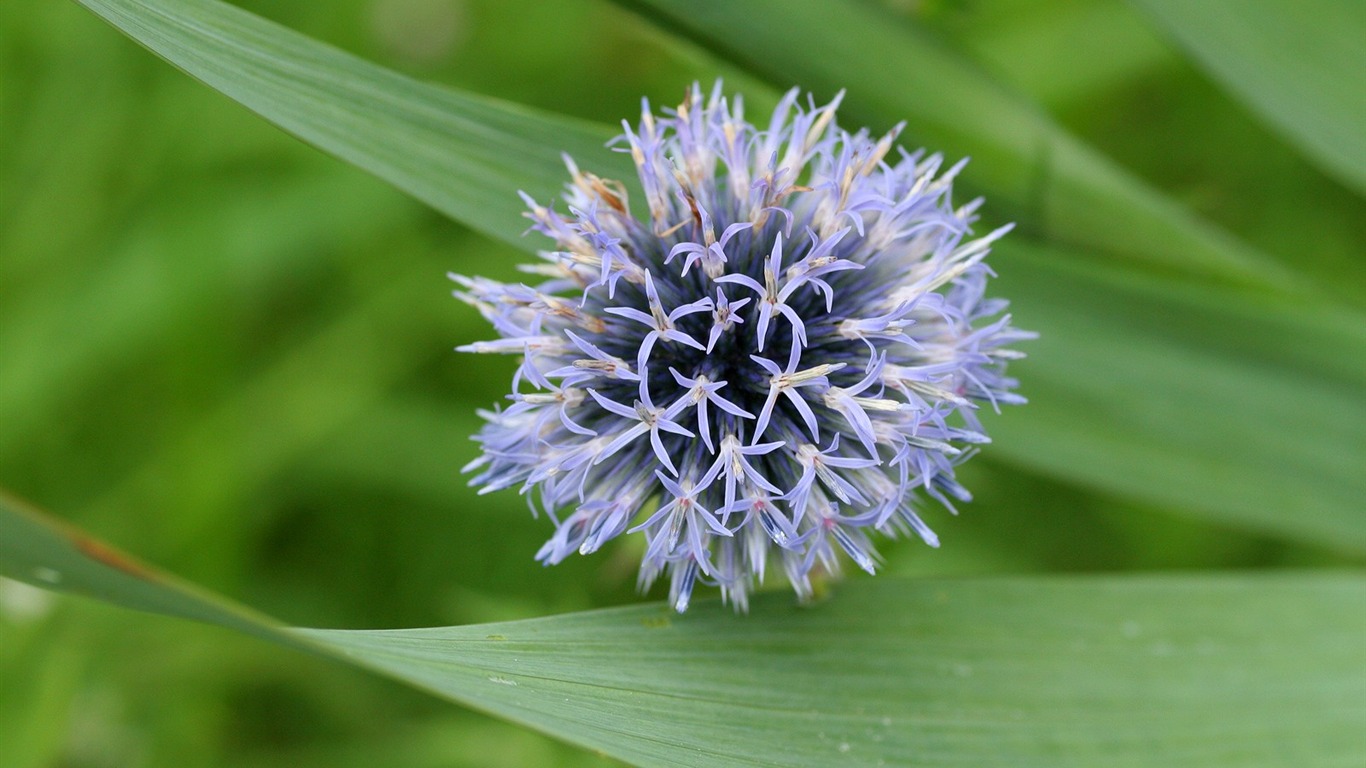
x=1139 y=434
x=1299 y=65
x=1225 y=670
x=1019 y=43
x=227 y=451
x=462 y=154
x=58 y=339
x=41 y=675
x=44 y=552
x=1063 y=190
x=456 y=740
x=1248 y=412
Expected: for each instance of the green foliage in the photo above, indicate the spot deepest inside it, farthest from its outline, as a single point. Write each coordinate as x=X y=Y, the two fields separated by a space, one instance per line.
x=888 y=672
x=1064 y=190
x=1294 y=64
x=465 y=147
x=230 y=354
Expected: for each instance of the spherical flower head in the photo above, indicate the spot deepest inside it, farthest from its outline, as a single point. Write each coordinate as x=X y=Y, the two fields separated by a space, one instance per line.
x=784 y=353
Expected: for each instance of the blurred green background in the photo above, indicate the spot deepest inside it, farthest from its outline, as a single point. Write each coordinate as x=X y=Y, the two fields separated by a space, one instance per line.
x=231 y=355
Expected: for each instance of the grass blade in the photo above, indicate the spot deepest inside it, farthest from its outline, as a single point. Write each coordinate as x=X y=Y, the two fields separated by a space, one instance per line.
x=1195 y=398
x=1160 y=671
x=1062 y=190
x=462 y=154
x=1297 y=65
x=39 y=550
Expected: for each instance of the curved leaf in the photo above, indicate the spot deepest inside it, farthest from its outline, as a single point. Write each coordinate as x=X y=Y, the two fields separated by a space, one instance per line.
x=1065 y=191
x=1243 y=411
x=1299 y=65
x=462 y=154
x=47 y=553
x=1160 y=671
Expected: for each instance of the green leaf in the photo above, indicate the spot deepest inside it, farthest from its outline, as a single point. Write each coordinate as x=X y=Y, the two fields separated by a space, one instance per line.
x=1248 y=412
x=238 y=236
x=359 y=354
x=1209 y=671
x=462 y=154
x=1019 y=43
x=1244 y=410
x=1298 y=65
x=46 y=553
x=1061 y=189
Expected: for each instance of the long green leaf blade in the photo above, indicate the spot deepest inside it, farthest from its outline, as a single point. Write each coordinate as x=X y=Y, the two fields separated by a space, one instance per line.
x=1029 y=672
x=1196 y=398
x=44 y=552
x=1146 y=671
x=1299 y=65
x=1065 y=191
x=462 y=154
x=457 y=151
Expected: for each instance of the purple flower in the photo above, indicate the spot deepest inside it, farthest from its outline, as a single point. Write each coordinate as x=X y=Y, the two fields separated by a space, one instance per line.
x=784 y=355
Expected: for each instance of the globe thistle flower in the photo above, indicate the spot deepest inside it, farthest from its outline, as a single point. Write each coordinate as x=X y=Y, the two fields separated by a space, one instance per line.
x=784 y=354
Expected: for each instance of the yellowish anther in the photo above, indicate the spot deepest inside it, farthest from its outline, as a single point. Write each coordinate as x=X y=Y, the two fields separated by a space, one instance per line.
x=877 y=404
x=784 y=380
x=698 y=392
